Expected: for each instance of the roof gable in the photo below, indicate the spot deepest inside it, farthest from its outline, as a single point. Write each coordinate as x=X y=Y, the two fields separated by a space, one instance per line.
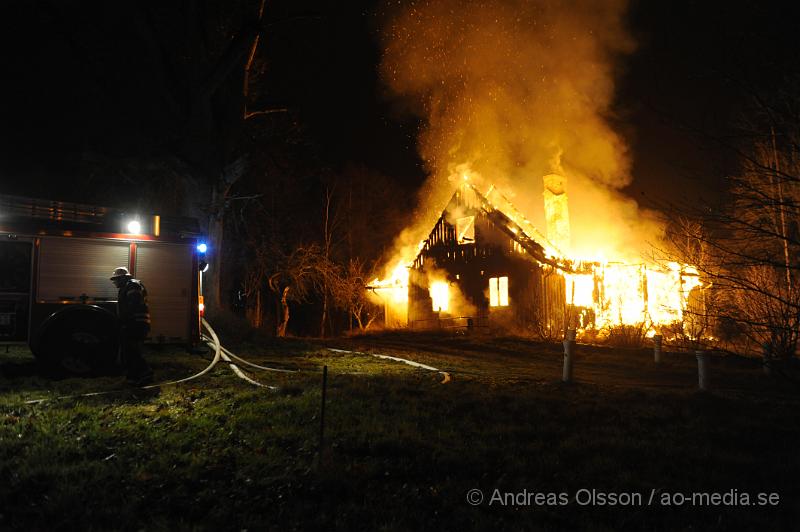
x=468 y=201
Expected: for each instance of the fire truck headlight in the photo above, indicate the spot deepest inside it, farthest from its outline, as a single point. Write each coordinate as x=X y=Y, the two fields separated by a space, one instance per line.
x=202 y=247
x=134 y=227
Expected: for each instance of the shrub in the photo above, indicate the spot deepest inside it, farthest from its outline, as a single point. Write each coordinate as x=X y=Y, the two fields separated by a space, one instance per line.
x=623 y=335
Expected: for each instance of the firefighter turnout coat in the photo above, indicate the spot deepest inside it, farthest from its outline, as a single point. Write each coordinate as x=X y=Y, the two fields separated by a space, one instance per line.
x=134 y=315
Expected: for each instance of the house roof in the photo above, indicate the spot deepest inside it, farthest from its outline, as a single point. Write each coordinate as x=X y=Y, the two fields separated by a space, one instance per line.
x=507 y=219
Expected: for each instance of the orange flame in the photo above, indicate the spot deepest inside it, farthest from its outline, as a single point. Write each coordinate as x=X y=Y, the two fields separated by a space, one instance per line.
x=616 y=293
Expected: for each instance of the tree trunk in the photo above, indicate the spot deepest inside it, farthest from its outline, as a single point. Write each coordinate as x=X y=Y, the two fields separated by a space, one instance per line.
x=212 y=285
x=328 y=234
x=259 y=317
x=216 y=229
x=281 y=332
x=324 y=315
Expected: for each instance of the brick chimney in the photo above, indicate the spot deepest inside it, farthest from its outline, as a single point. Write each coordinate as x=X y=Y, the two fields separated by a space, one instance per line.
x=556 y=211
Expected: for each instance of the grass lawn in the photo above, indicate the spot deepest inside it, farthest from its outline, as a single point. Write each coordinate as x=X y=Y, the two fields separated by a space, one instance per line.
x=402 y=449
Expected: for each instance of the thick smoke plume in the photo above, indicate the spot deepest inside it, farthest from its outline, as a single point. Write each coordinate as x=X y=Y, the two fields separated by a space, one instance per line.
x=512 y=90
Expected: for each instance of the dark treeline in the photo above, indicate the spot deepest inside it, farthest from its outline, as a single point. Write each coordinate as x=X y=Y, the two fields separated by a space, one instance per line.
x=246 y=115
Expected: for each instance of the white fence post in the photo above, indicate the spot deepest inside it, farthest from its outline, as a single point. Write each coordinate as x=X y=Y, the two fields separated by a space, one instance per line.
x=569 y=349
x=767 y=359
x=702 y=370
x=657 y=339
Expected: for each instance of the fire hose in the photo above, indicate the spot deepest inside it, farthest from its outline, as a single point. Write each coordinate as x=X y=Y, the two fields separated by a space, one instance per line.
x=445 y=375
x=220 y=353
x=223 y=354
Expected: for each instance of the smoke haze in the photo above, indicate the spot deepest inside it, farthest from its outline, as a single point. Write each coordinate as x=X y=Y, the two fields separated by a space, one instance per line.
x=512 y=90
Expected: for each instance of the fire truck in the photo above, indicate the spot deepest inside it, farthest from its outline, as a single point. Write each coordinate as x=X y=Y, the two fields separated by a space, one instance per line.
x=55 y=294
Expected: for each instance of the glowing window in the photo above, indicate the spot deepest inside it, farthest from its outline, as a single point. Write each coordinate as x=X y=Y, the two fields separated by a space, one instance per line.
x=498 y=291
x=440 y=295
x=465 y=230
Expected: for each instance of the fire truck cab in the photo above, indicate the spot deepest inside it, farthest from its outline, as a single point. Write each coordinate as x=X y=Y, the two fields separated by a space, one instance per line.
x=55 y=294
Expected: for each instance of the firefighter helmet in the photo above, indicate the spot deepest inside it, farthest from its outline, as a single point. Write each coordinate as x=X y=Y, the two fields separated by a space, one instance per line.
x=120 y=272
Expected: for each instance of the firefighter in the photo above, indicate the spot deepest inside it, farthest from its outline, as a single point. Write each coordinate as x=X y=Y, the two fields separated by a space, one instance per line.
x=134 y=321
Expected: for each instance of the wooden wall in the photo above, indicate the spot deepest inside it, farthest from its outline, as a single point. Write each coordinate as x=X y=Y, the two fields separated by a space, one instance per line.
x=536 y=291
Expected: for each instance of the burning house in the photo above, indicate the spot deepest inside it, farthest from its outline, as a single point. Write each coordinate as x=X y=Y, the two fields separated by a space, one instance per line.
x=485 y=264
x=480 y=266
x=485 y=116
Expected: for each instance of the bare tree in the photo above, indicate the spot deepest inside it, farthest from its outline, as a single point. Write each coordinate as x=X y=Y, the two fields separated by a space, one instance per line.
x=350 y=293
x=687 y=243
x=295 y=276
x=330 y=224
x=748 y=249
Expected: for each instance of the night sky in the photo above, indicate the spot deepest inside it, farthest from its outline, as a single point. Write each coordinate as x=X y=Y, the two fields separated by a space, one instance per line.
x=74 y=82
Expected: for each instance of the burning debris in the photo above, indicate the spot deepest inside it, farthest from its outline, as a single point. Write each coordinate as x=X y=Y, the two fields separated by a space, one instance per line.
x=392 y=294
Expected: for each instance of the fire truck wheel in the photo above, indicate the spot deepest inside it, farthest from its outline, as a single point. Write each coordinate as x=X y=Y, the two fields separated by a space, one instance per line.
x=78 y=339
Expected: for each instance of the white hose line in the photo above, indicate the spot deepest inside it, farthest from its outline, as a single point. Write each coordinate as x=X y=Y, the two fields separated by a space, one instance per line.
x=445 y=374
x=217 y=356
x=239 y=373
x=220 y=352
x=248 y=363
x=264 y=368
